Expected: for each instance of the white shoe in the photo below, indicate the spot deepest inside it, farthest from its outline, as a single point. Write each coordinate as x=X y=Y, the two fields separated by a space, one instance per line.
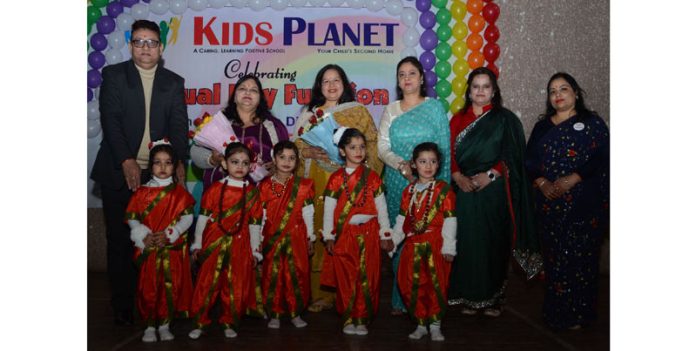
x=195 y=334
x=468 y=311
x=420 y=332
x=436 y=334
x=274 y=323
x=230 y=333
x=164 y=333
x=298 y=322
x=349 y=329
x=149 y=335
x=361 y=330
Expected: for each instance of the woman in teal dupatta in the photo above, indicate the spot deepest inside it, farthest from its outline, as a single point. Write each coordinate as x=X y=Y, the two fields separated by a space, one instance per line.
x=493 y=206
x=410 y=120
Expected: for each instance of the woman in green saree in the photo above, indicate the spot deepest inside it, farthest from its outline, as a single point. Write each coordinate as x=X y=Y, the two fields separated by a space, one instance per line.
x=493 y=206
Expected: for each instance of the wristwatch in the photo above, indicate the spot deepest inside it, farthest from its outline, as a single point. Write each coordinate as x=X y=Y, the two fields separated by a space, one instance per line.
x=491 y=175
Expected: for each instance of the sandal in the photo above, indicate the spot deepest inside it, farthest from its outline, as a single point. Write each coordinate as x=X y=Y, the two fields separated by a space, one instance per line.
x=492 y=312
x=320 y=305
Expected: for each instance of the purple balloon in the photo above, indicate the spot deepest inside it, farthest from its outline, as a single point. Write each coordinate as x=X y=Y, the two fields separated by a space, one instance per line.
x=146 y=1
x=94 y=78
x=427 y=59
x=430 y=79
x=96 y=59
x=128 y=3
x=423 y=5
x=430 y=91
x=90 y=94
x=428 y=40
x=105 y=25
x=98 y=41
x=427 y=19
x=114 y=9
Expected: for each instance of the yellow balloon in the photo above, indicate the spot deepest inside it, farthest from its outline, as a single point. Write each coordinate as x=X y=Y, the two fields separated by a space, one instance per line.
x=461 y=67
x=459 y=85
x=456 y=105
x=460 y=30
x=459 y=49
x=458 y=11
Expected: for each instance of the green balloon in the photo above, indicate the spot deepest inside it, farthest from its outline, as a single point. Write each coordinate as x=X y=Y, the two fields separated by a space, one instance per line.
x=443 y=16
x=443 y=51
x=93 y=14
x=444 y=103
x=440 y=3
x=99 y=3
x=164 y=31
x=443 y=70
x=444 y=33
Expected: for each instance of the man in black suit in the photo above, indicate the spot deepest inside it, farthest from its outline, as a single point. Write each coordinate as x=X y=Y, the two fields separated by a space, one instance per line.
x=139 y=101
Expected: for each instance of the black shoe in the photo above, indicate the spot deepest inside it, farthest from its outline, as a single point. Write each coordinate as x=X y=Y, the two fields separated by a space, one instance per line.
x=123 y=317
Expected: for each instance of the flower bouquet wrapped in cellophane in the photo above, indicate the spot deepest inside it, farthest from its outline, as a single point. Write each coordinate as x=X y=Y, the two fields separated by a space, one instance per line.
x=318 y=131
x=214 y=132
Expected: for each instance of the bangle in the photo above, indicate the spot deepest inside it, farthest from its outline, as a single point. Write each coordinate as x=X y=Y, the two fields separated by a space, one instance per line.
x=543 y=181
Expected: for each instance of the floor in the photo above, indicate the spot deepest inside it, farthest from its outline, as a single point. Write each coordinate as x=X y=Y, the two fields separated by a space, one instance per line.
x=519 y=328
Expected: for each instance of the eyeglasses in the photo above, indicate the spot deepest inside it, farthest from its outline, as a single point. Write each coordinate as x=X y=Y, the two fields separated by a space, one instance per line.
x=140 y=43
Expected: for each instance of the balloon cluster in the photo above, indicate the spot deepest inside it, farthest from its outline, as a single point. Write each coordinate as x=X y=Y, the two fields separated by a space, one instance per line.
x=491 y=51
x=459 y=49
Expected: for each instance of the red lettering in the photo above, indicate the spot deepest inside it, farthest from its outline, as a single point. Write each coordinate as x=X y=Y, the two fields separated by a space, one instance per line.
x=364 y=96
x=199 y=30
x=264 y=33
x=381 y=97
x=225 y=33
x=270 y=96
x=248 y=31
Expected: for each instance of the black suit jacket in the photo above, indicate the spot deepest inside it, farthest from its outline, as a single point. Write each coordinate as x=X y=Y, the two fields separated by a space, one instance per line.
x=122 y=110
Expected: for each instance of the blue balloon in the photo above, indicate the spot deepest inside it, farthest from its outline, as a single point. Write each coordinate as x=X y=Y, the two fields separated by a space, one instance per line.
x=423 y=5
x=98 y=41
x=128 y=3
x=430 y=91
x=428 y=40
x=96 y=59
x=427 y=19
x=114 y=9
x=90 y=94
x=106 y=25
x=430 y=79
x=94 y=78
x=427 y=59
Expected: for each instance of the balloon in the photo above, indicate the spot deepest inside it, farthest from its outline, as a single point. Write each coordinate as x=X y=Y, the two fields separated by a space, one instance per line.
x=92 y=109
x=491 y=12
x=409 y=16
x=474 y=42
x=90 y=94
x=427 y=20
x=96 y=93
x=428 y=39
x=444 y=32
x=124 y=21
x=443 y=17
x=439 y=3
x=216 y=4
x=445 y=104
x=140 y=11
x=475 y=60
x=459 y=85
x=99 y=3
x=460 y=68
x=394 y=7
x=443 y=69
x=93 y=78
x=337 y=3
x=128 y=3
x=98 y=41
x=197 y=5
x=113 y=56
x=93 y=14
x=443 y=88
x=494 y=69
x=457 y=104
x=460 y=31
x=301 y=3
x=315 y=3
x=443 y=51
x=93 y=128
x=430 y=79
x=356 y=4
x=423 y=5
x=491 y=52
x=408 y=52
x=474 y=6
x=113 y=9
x=178 y=7
x=458 y=11
x=491 y=33
x=411 y=37
x=96 y=59
x=427 y=59
x=374 y=5
x=280 y=4
x=476 y=23
x=430 y=92
x=159 y=7
x=105 y=25
x=459 y=49
x=258 y=5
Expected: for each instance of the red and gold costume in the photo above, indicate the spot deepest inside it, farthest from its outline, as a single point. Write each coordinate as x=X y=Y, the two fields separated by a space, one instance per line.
x=427 y=224
x=230 y=240
x=164 y=280
x=285 y=284
x=355 y=206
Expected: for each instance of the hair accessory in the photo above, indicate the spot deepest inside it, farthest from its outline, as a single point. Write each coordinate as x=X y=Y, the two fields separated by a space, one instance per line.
x=272 y=157
x=152 y=144
x=338 y=133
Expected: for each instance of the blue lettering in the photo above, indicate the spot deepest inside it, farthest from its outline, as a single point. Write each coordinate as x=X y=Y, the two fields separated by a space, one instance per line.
x=354 y=38
x=369 y=33
x=332 y=34
x=288 y=31
x=390 y=32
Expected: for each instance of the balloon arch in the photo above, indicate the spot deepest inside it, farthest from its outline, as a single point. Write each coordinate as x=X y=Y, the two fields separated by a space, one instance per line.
x=451 y=39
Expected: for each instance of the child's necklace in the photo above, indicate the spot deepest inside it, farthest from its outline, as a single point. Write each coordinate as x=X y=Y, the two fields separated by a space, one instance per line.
x=283 y=185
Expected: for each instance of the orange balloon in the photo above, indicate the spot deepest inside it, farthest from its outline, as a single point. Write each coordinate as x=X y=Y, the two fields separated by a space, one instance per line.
x=474 y=42
x=475 y=60
x=459 y=49
x=476 y=23
x=474 y=6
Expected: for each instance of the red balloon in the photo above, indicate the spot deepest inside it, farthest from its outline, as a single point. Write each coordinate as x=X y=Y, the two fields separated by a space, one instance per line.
x=491 y=51
x=487 y=0
x=491 y=33
x=491 y=12
x=475 y=60
x=494 y=69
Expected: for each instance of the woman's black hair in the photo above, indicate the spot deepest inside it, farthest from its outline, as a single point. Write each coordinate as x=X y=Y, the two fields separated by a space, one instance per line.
x=234 y=148
x=496 y=101
x=349 y=134
x=318 y=98
x=580 y=107
x=262 y=110
x=285 y=145
x=166 y=148
x=423 y=147
x=414 y=61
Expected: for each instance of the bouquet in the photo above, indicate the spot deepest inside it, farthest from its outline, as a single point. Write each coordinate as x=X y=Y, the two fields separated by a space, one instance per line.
x=214 y=132
x=319 y=132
